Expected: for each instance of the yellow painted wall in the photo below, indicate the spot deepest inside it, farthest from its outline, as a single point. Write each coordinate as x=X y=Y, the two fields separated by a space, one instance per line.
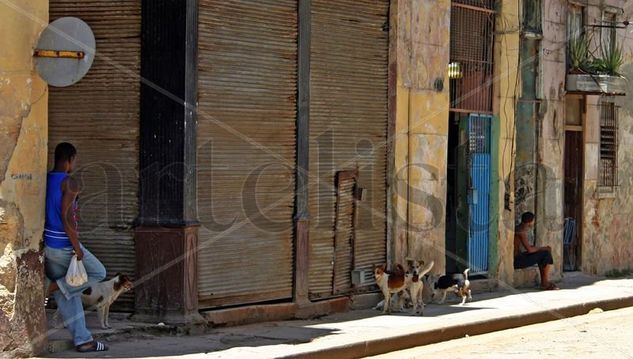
x=419 y=56
x=23 y=153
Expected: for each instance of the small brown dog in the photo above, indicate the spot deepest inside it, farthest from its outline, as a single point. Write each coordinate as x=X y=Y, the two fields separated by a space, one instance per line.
x=390 y=282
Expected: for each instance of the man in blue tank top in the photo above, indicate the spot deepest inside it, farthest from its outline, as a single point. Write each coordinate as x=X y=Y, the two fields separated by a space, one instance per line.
x=61 y=242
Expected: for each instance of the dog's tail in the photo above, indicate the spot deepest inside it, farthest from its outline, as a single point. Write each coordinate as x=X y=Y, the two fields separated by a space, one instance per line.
x=426 y=269
x=466 y=273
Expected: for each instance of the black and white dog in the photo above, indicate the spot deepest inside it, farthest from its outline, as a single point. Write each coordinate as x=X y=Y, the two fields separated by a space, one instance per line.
x=457 y=283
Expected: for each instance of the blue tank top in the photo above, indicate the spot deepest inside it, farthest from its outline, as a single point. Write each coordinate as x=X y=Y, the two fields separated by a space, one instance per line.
x=54 y=233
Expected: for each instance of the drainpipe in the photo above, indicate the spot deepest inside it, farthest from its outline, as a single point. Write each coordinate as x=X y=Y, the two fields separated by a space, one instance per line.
x=409 y=165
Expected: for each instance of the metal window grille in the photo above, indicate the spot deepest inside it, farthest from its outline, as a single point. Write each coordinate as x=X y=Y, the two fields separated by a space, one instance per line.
x=471 y=55
x=480 y=4
x=608 y=166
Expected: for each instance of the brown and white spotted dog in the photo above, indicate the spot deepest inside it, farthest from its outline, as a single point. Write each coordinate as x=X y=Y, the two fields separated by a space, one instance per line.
x=390 y=282
x=102 y=295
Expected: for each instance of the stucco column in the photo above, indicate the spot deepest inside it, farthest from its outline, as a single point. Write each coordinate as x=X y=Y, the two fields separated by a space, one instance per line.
x=23 y=153
x=418 y=67
x=550 y=129
x=504 y=134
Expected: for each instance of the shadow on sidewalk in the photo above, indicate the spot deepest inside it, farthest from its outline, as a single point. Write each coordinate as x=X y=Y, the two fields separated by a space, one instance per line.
x=357 y=326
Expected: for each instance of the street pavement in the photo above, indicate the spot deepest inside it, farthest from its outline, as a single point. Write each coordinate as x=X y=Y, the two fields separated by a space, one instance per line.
x=359 y=333
x=597 y=335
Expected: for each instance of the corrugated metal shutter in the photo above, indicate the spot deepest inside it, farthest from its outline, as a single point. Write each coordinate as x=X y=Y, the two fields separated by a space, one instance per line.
x=344 y=231
x=348 y=126
x=246 y=155
x=99 y=115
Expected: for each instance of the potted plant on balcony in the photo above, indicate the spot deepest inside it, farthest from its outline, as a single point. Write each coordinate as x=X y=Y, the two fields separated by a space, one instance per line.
x=579 y=55
x=610 y=61
x=590 y=74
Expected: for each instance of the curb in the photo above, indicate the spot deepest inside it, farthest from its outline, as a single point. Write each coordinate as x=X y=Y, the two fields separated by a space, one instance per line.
x=425 y=337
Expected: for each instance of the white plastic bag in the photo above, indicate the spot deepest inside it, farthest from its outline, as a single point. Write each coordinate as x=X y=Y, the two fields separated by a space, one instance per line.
x=76 y=274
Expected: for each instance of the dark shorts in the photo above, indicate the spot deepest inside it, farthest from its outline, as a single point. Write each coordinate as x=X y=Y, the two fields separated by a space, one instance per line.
x=525 y=259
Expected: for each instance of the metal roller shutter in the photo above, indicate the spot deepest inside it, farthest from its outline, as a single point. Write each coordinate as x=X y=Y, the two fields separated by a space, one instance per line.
x=99 y=115
x=348 y=127
x=246 y=150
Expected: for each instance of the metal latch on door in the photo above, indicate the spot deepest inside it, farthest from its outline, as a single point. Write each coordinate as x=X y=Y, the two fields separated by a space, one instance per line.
x=473 y=195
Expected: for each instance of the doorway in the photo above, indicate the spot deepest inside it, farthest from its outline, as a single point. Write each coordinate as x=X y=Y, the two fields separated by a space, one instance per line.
x=468 y=193
x=574 y=172
x=452 y=194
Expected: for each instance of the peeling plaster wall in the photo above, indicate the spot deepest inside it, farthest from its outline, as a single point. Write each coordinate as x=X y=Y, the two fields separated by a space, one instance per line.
x=550 y=133
x=23 y=146
x=607 y=242
x=419 y=54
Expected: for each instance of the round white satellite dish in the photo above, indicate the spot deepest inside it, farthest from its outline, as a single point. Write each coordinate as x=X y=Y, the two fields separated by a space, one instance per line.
x=65 y=51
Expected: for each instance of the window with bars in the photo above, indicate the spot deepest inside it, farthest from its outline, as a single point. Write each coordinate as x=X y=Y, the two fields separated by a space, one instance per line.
x=575 y=21
x=532 y=16
x=471 y=55
x=608 y=34
x=575 y=27
x=608 y=166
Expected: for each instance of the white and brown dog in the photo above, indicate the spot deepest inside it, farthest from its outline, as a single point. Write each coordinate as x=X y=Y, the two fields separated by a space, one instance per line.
x=390 y=282
x=415 y=278
x=457 y=283
x=101 y=296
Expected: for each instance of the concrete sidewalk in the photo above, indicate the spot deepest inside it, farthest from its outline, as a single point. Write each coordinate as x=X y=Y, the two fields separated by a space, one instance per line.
x=366 y=332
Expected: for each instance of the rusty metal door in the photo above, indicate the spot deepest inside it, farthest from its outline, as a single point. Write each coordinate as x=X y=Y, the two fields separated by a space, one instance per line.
x=246 y=150
x=348 y=127
x=100 y=116
x=344 y=231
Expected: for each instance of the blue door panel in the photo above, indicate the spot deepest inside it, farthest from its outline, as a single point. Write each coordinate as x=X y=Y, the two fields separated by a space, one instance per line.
x=479 y=195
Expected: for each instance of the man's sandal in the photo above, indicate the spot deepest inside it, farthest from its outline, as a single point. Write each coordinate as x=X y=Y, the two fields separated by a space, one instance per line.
x=94 y=346
x=551 y=286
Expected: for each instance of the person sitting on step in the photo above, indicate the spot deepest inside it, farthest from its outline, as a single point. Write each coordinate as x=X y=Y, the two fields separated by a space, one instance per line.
x=532 y=255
